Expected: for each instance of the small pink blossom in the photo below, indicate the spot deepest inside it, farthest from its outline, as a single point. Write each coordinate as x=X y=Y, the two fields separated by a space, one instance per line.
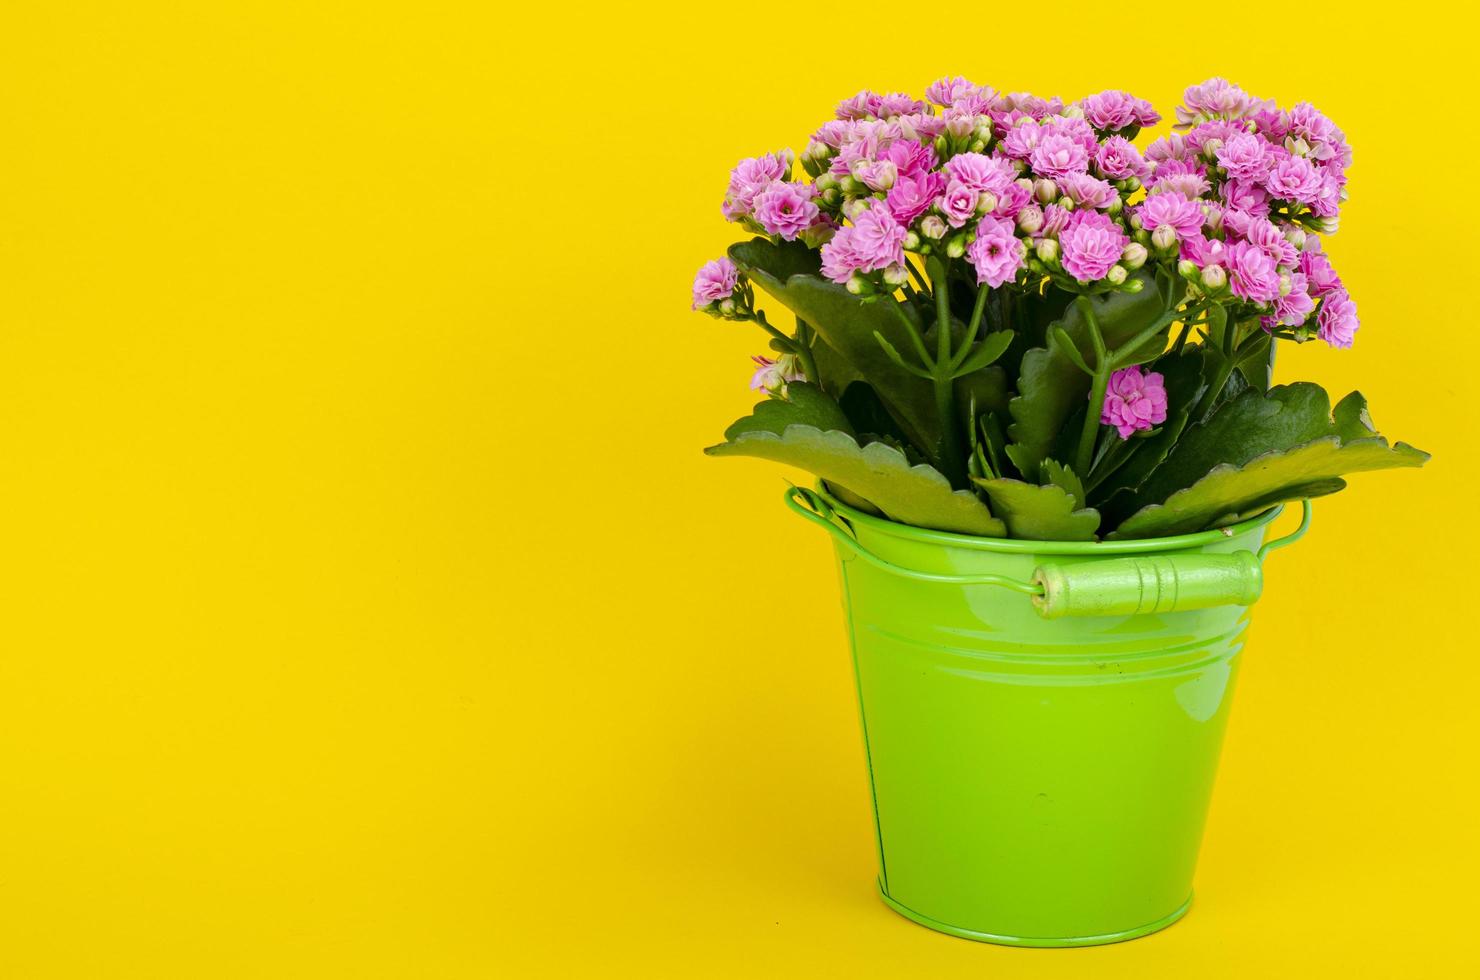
x=1090 y=245
x=1118 y=159
x=1182 y=214
x=716 y=280
x=873 y=242
x=786 y=209
x=958 y=203
x=997 y=253
x=1058 y=155
x=773 y=376
x=1244 y=157
x=1317 y=269
x=1134 y=401
x=1294 y=178
x=1112 y=110
x=1252 y=274
x=751 y=176
x=981 y=173
x=1337 y=321
x=911 y=196
x=1087 y=192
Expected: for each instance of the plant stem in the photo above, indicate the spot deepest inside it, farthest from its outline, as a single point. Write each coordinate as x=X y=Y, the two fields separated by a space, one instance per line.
x=909 y=327
x=952 y=460
x=1103 y=365
x=976 y=321
x=800 y=345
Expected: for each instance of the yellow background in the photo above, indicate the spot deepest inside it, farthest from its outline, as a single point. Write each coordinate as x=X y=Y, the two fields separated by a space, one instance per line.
x=368 y=609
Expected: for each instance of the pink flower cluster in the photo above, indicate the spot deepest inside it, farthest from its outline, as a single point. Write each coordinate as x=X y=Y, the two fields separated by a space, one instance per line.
x=1026 y=189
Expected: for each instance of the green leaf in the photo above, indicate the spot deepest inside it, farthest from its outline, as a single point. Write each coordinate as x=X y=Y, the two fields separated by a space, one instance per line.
x=1247 y=426
x=878 y=473
x=1065 y=479
x=804 y=404
x=1308 y=467
x=991 y=347
x=847 y=324
x=1045 y=513
x=1051 y=387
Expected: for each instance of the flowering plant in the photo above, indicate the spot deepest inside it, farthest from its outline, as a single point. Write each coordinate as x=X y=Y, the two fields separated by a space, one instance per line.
x=1012 y=321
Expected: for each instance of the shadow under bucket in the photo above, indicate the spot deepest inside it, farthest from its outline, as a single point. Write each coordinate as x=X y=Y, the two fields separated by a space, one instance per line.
x=1041 y=781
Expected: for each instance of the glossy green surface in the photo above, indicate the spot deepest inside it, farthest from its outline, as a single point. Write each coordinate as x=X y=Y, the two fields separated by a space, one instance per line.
x=1035 y=781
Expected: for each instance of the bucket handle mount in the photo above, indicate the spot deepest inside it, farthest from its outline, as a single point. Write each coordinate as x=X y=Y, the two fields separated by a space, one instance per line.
x=1153 y=583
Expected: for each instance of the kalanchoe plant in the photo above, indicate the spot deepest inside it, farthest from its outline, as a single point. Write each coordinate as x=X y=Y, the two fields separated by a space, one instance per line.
x=1011 y=321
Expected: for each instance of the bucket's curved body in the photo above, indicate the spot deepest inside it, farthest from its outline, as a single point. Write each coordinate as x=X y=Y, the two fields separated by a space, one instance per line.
x=1039 y=782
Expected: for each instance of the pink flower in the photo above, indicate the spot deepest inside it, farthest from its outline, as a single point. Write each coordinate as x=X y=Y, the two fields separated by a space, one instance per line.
x=945 y=91
x=1087 y=192
x=1058 y=155
x=1215 y=99
x=1019 y=142
x=1269 y=238
x=1184 y=176
x=773 y=376
x=1110 y=111
x=1055 y=220
x=1244 y=157
x=1252 y=274
x=981 y=173
x=864 y=105
x=751 y=176
x=879 y=175
x=717 y=280
x=1292 y=308
x=786 y=209
x=1090 y=245
x=1337 y=320
x=911 y=196
x=899 y=104
x=1012 y=199
x=1134 y=401
x=1294 y=178
x=1203 y=252
x=1183 y=215
x=958 y=203
x=1317 y=269
x=1118 y=159
x=997 y=254
x=1173 y=146
x=910 y=156
x=1248 y=198
x=873 y=242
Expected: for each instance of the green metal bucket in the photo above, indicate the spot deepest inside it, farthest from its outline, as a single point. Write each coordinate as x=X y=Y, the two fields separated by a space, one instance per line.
x=1041 y=720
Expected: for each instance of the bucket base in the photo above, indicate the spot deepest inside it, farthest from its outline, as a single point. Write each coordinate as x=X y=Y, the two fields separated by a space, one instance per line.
x=1052 y=942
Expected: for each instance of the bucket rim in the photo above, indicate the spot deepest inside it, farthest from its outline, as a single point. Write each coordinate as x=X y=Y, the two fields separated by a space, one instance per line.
x=1021 y=546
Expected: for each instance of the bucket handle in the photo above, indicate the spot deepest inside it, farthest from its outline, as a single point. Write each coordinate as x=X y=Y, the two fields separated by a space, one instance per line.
x=1117 y=586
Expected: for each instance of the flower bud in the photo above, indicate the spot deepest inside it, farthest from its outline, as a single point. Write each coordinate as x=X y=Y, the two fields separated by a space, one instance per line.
x=1030 y=218
x=1115 y=206
x=1135 y=285
x=1214 y=278
x=896 y=276
x=1072 y=112
x=911 y=241
x=986 y=202
x=859 y=286
x=852 y=185
x=1048 y=251
x=855 y=207
x=1132 y=184
x=1045 y=190
x=933 y=227
x=1065 y=202
x=1134 y=256
x=1295 y=235
x=1187 y=269
x=956 y=247
x=1136 y=222
x=1286 y=284
x=1164 y=238
x=727 y=307
x=826 y=182
x=1116 y=274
